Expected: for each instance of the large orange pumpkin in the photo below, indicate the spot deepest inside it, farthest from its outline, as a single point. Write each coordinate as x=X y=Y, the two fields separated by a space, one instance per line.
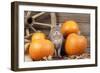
x=41 y=48
x=36 y=50
x=69 y=27
x=49 y=48
x=75 y=44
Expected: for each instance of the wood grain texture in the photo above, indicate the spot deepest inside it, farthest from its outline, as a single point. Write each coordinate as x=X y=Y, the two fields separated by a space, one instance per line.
x=78 y=17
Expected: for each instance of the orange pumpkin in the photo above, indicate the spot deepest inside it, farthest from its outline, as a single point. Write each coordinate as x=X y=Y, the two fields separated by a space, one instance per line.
x=75 y=44
x=41 y=48
x=49 y=48
x=36 y=50
x=38 y=35
x=69 y=27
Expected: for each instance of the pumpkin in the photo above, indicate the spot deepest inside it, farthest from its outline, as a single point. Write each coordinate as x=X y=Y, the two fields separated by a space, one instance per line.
x=36 y=50
x=49 y=48
x=75 y=44
x=69 y=27
x=41 y=48
x=38 y=35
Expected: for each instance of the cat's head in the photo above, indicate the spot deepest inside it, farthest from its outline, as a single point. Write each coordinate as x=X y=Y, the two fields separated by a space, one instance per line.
x=56 y=27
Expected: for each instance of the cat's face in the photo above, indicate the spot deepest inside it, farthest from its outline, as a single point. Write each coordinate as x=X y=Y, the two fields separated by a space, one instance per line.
x=56 y=28
x=55 y=35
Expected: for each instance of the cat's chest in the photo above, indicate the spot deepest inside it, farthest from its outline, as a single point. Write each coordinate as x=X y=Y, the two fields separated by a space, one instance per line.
x=56 y=35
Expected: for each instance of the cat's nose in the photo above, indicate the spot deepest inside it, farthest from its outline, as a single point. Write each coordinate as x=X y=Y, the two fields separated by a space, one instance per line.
x=56 y=32
x=57 y=24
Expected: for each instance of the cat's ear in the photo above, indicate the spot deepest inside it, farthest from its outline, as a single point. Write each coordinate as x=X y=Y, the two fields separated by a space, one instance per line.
x=60 y=25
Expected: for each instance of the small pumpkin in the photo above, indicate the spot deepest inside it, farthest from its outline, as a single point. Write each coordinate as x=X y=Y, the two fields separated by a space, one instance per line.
x=38 y=35
x=75 y=44
x=69 y=26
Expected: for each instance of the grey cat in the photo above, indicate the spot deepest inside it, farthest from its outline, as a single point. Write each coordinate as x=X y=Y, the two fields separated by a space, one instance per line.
x=57 y=38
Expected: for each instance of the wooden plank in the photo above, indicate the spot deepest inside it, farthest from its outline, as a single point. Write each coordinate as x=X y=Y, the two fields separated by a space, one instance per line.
x=88 y=39
x=45 y=18
x=83 y=18
x=84 y=28
x=38 y=15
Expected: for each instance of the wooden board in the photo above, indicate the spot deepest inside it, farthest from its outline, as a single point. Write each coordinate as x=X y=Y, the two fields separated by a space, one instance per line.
x=78 y=17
